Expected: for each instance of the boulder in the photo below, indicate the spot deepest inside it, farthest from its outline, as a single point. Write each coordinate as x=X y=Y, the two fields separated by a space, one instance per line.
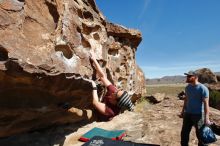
x=206 y=76
x=218 y=77
x=156 y=98
x=44 y=61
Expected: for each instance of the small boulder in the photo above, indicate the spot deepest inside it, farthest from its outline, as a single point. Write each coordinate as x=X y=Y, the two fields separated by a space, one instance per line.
x=206 y=76
x=156 y=98
x=181 y=95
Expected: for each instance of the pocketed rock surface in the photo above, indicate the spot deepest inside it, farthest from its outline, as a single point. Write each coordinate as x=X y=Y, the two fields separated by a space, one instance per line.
x=44 y=62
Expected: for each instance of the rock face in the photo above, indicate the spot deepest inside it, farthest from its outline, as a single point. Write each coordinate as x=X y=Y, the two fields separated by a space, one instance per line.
x=44 y=61
x=206 y=76
x=212 y=81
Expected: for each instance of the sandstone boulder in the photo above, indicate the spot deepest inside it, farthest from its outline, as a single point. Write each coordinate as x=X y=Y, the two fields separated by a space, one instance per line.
x=44 y=61
x=206 y=76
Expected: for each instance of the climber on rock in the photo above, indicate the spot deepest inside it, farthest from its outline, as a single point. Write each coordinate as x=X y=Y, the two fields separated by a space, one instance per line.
x=113 y=100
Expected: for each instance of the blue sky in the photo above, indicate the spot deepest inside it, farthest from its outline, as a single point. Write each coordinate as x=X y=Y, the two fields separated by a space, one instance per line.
x=178 y=35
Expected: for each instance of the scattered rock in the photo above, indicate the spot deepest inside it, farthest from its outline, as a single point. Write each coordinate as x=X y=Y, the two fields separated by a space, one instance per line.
x=156 y=98
x=181 y=95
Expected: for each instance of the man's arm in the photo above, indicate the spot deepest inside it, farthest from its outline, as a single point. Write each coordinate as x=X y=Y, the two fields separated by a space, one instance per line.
x=206 y=109
x=100 y=72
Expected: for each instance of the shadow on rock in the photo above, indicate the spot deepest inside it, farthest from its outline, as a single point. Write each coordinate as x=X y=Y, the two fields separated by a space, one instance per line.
x=54 y=135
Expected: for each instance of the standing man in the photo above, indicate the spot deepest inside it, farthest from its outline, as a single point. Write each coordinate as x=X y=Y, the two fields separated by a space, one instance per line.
x=195 y=110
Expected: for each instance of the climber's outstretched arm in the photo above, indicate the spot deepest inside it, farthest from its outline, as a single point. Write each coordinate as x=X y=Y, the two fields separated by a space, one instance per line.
x=100 y=72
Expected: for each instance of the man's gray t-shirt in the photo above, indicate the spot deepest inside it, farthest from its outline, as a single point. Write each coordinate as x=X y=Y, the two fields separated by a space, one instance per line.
x=195 y=95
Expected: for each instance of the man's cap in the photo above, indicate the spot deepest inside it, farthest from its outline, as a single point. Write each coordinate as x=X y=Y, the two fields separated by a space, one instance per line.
x=191 y=73
x=125 y=101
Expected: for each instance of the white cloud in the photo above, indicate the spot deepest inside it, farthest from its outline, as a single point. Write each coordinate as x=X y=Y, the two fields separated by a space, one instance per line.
x=144 y=9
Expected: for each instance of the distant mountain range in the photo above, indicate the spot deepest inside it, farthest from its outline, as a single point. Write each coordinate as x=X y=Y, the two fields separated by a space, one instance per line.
x=178 y=79
x=166 y=80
